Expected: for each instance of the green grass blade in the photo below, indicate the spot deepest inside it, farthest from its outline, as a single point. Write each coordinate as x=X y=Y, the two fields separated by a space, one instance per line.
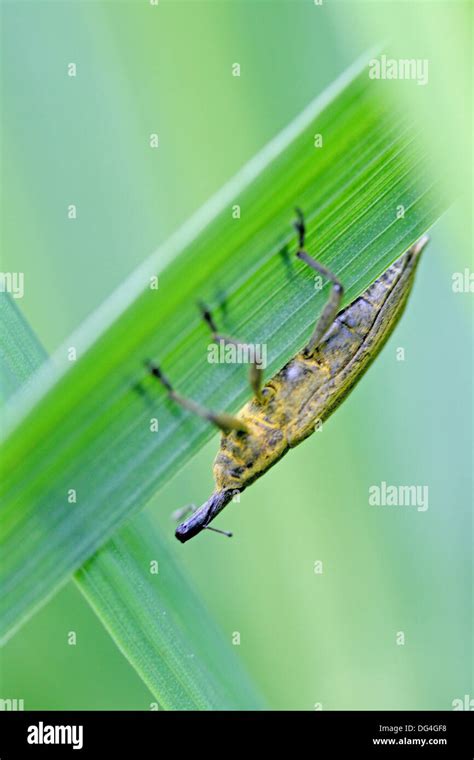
x=86 y=425
x=160 y=625
x=137 y=590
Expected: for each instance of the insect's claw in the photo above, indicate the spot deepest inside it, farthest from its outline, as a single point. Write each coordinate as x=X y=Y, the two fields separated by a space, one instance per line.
x=299 y=226
x=158 y=374
x=207 y=316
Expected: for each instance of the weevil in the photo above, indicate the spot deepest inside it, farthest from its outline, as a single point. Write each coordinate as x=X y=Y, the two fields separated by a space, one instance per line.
x=288 y=408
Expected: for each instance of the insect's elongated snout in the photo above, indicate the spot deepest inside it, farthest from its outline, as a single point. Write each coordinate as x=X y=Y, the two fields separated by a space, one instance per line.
x=201 y=518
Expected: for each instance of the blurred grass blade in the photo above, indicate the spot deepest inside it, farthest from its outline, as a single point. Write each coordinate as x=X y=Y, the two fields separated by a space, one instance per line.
x=138 y=592
x=85 y=428
x=160 y=625
x=20 y=351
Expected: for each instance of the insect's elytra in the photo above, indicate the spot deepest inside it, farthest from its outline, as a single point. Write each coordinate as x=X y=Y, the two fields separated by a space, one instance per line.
x=306 y=390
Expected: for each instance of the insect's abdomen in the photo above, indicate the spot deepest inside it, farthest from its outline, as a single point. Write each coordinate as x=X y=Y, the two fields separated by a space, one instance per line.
x=355 y=338
x=307 y=390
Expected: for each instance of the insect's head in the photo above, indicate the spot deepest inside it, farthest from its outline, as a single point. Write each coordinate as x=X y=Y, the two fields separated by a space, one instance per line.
x=201 y=518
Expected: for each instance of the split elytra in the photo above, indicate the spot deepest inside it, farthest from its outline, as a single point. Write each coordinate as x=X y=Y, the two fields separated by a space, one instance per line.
x=285 y=410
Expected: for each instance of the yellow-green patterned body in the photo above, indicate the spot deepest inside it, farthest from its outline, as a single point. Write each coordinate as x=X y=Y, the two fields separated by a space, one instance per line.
x=305 y=392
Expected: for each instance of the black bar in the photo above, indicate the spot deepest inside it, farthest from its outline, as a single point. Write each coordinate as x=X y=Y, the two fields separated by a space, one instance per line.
x=322 y=734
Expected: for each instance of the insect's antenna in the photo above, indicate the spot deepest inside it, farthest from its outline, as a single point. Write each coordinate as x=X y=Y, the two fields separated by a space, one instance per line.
x=300 y=226
x=222 y=532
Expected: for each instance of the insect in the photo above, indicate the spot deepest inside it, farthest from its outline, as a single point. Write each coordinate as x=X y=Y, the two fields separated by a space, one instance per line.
x=306 y=390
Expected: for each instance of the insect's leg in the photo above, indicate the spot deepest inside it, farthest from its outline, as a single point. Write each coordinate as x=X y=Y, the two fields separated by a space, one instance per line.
x=256 y=373
x=334 y=301
x=226 y=422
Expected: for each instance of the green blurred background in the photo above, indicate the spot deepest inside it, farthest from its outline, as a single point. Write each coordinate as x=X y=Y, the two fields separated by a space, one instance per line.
x=306 y=638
